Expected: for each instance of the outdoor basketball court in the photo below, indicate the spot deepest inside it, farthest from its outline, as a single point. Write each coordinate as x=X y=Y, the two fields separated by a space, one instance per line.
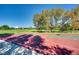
x=43 y=43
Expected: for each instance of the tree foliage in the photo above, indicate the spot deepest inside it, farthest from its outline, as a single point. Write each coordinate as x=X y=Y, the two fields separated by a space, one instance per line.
x=4 y=27
x=57 y=17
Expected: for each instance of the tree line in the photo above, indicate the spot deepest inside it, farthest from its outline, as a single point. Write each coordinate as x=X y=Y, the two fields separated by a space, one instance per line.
x=57 y=18
x=6 y=27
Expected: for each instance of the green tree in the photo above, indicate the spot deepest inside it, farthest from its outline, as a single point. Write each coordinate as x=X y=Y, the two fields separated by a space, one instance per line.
x=37 y=21
x=57 y=18
x=45 y=19
x=5 y=27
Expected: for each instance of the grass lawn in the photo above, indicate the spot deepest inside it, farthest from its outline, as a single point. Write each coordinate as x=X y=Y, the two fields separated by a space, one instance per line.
x=17 y=31
x=21 y=31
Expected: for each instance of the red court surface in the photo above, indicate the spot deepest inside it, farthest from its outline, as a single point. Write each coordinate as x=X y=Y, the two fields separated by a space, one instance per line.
x=51 y=44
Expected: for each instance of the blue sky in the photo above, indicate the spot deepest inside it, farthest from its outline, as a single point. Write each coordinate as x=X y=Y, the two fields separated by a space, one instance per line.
x=21 y=15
